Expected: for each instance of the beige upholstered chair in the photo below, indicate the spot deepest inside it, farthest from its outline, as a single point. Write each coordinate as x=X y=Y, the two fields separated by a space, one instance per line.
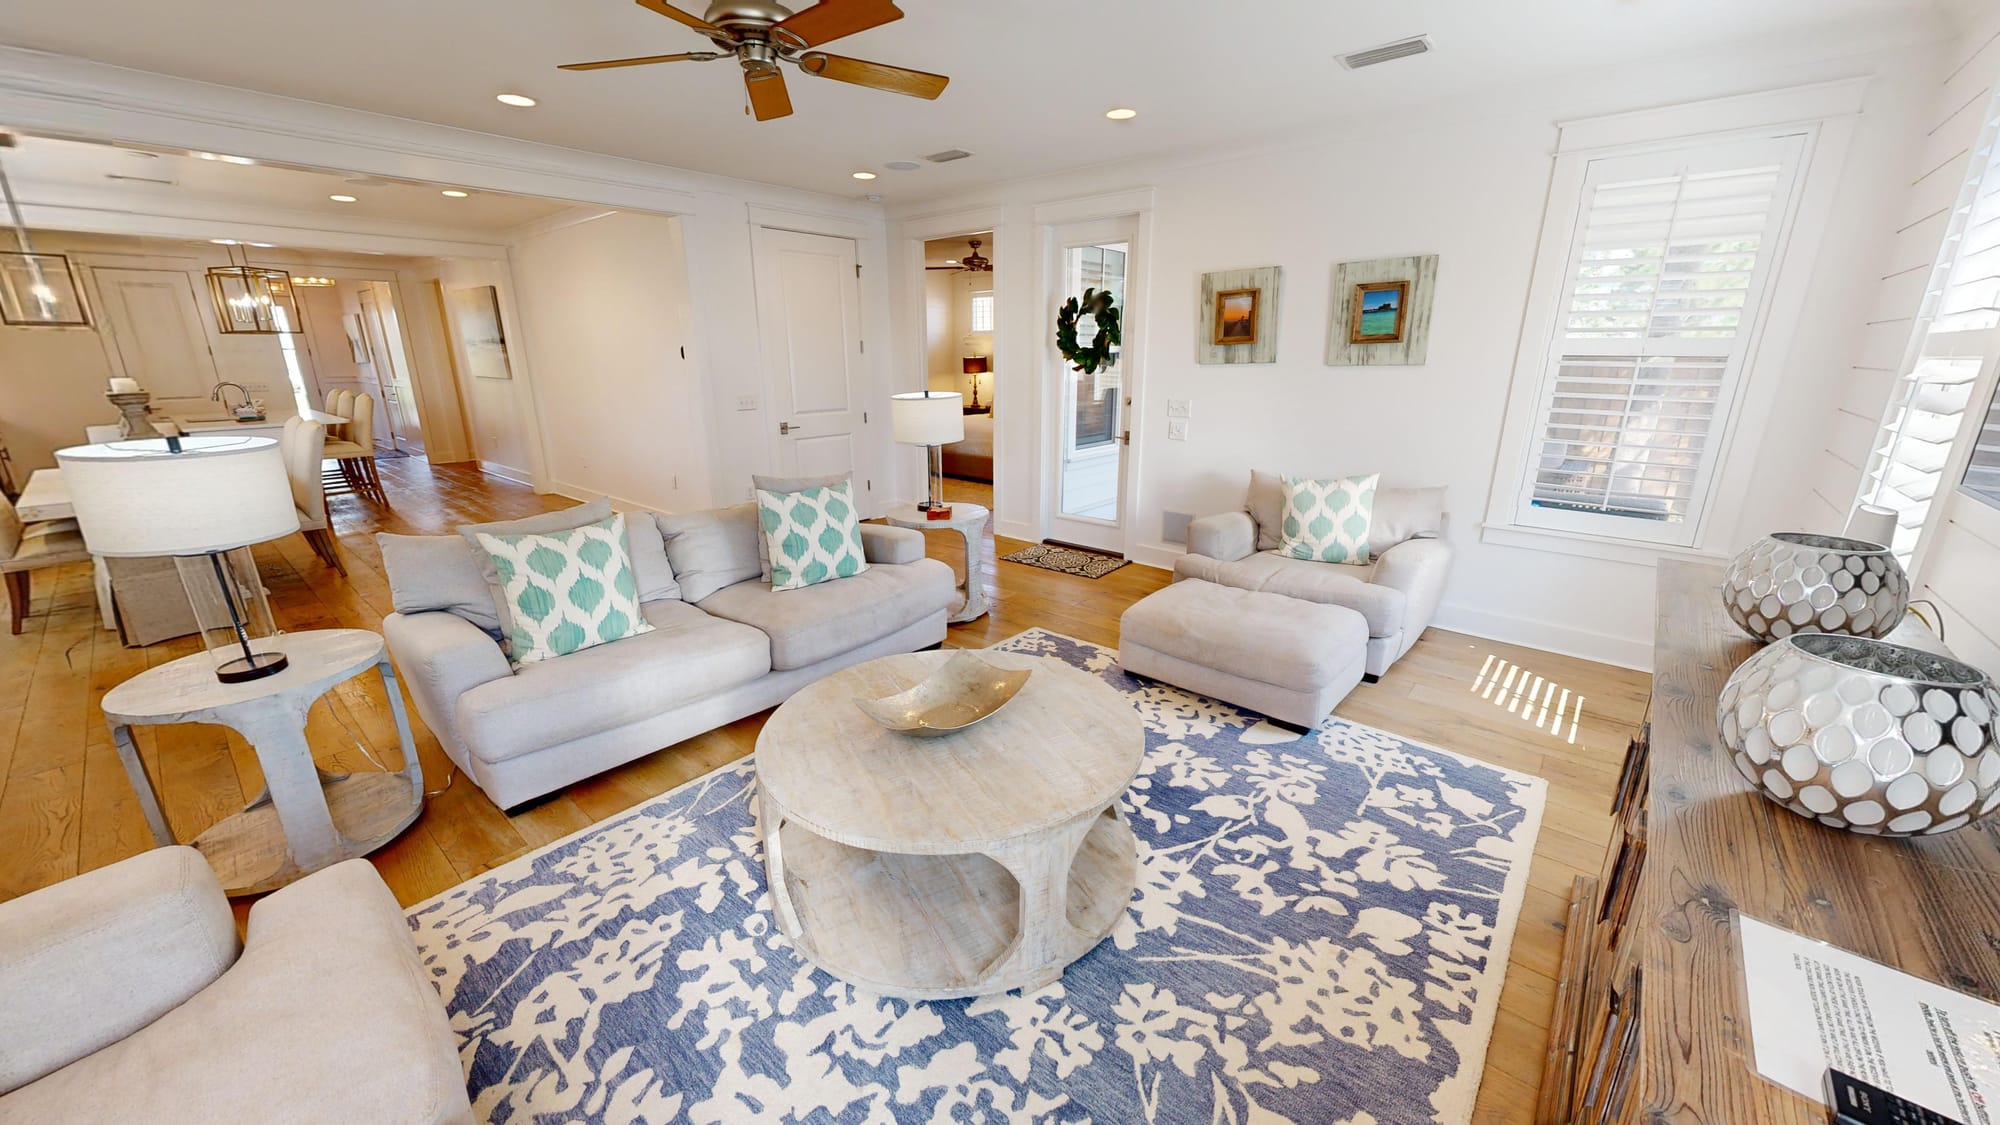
x=338 y=402
x=356 y=453
x=25 y=548
x=129 y=998
x=303 y=445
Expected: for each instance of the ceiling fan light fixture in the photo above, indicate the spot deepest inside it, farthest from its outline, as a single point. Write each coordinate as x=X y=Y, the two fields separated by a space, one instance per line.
x=521 y=101
x=1121 y=113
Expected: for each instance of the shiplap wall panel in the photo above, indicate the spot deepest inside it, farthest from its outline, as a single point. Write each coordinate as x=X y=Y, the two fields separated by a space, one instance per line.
x=1960 y=574
x=1862 y=389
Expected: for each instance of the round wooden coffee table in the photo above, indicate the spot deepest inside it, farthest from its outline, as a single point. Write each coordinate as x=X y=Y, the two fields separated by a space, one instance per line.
x=968 y=864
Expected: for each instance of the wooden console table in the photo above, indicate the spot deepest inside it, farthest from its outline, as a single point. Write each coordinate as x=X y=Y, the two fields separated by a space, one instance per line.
x=1650 y=1022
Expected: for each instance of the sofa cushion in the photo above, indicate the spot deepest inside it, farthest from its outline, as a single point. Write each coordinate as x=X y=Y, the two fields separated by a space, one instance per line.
x=437 y=572
x=812 y=624
x=1327 y=520
x=712 y=549
x=688 y=655
x=563 y=520
x=648 y=550
x=1402 y=514
x=1327 y=583
x=1266 y=505
x=812 y=536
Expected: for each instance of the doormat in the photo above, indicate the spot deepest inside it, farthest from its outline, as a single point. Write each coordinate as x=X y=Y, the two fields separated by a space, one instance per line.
x=1066 y=560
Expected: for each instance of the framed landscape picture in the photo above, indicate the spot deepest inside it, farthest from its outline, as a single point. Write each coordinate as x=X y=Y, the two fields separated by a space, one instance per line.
x=475 y=320
x=1376 y=313
x=1235 y=318
x=1381 y=314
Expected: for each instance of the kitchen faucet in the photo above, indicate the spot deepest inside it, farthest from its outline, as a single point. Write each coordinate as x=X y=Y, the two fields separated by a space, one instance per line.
x=215 y=395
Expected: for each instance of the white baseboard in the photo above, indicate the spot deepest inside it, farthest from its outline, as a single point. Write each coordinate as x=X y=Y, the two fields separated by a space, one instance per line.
x=584 y=495
x=505 y=472
x=1161 y=555
x=1016 y=529
x=1625 y=652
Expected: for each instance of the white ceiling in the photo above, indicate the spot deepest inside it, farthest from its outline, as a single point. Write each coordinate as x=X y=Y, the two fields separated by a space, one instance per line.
x=1030 y=78
x=72 y=173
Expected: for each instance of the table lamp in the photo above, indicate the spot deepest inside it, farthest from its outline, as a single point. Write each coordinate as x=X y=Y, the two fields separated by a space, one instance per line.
x=199 y=500
x=975 y=366
x=932 y=421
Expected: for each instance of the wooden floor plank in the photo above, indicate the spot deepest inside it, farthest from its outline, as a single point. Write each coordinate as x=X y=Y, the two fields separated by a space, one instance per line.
x=65 y=806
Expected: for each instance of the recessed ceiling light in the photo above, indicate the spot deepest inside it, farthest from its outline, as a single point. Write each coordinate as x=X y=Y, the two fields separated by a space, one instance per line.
x=455 y=193
x=226 y=159
x=225 y=242
x=1121 y=114
x=864 y=175
x=263 y=245
x=341 y=198
x=521 y=100
x=903 y=165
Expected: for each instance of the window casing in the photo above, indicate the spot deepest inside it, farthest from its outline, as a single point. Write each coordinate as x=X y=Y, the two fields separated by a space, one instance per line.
x=1659 y=310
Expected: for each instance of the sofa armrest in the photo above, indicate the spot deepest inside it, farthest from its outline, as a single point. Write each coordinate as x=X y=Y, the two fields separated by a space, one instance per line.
x=1227 y=537
x=1417 y=567
x=442 y=656
x=89 y=961
x=891 y=545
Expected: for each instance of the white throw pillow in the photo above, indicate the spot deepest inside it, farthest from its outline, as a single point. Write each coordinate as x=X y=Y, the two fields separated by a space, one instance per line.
x=1327 y=520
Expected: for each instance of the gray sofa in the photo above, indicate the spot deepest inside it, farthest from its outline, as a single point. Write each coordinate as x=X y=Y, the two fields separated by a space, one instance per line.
x=128 y=998
x=1396 y=592
x=724 y=645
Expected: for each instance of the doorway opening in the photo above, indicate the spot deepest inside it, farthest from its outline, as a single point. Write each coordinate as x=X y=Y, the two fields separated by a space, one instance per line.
x=960 y=316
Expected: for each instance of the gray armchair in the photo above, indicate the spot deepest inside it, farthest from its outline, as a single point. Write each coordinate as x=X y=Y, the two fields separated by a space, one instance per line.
x=1397 y=591
x=129 y=998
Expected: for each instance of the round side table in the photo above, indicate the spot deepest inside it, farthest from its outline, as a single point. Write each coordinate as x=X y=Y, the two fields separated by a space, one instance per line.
x=969 y=520
x=310 y=820
x=962 y=865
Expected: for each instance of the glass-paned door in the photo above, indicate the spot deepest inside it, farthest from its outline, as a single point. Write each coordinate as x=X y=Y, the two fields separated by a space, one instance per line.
x=1090 y=469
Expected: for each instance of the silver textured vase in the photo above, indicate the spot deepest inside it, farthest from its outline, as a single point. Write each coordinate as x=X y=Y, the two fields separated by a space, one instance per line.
x=1795 y=582
x=1865 y=735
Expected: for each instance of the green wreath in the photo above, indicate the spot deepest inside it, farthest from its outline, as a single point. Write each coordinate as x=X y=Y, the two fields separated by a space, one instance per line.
x=1102 y=352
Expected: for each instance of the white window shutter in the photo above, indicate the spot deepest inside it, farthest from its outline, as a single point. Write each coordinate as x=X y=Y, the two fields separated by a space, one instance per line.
x=1663 y=283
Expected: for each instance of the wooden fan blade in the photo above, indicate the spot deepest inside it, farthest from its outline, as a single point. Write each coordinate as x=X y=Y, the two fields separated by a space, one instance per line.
x=646 y=60
x=768 y=96
x=878 y=76
x=832 y=19
x=678 y=16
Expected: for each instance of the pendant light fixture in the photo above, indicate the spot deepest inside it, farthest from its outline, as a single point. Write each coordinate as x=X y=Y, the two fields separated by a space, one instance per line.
x=251 y=299
x=36 y=290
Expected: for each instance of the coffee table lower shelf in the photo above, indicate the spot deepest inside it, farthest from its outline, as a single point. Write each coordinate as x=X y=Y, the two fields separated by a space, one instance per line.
x=935 y=927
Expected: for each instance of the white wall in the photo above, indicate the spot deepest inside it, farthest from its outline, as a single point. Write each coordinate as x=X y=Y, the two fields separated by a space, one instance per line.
x=1467 y=181
x=499 y=413
x=604 y=307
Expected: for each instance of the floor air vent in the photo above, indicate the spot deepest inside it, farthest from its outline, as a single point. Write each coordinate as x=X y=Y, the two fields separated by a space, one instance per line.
x=1387 y=52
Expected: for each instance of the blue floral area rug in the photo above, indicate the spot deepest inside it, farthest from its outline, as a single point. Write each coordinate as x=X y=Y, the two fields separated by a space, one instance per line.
x=1319 y=934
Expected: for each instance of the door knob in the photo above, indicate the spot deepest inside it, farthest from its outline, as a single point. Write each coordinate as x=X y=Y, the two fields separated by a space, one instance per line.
x=788 y=427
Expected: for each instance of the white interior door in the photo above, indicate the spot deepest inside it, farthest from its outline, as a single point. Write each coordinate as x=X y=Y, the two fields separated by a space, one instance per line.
x=1091 y=409
x=809 y=311
x=399 y=392
x=154 y=331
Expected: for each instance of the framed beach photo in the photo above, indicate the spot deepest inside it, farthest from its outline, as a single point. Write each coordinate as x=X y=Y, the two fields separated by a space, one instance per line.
x=1377 y=312
x=1235 y=317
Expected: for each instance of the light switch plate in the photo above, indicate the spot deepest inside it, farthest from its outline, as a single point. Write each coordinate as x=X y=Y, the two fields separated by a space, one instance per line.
x=1177 y=429
x=1180 y=408
x=746 y=402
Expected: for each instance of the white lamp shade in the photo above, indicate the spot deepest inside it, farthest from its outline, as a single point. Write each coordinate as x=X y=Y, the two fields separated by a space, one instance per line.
x=135 y=498
x=1872 y=524
x=933 y=419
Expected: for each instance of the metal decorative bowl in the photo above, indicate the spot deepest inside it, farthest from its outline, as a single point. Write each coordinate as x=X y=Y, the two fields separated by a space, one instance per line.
x=1865 y=735
x=964 y=691
x=1796 y=582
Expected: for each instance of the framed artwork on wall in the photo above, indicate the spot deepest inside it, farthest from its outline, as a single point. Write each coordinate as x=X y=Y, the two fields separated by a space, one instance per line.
x=1239 y=318
x=475 y=320
x=1381 y=312
x=357 y=338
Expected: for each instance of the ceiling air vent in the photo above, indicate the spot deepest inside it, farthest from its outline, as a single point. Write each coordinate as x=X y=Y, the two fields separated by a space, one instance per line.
x=1387 y=52
x=947 y=156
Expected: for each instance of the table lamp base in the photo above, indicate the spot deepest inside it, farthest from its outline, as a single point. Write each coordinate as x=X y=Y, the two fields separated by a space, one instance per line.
x=253 y=667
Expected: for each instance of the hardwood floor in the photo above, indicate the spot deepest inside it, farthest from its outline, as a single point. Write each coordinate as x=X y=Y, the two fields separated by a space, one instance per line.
x=65 y=805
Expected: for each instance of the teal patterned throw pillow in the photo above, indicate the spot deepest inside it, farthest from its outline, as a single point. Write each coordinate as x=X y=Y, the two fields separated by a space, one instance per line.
x=1327 y=520
x=567 y=590
x=814 y=535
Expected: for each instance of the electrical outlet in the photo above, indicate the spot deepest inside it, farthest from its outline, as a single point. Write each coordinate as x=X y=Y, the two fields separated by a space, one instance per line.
x=746 y=402
x=1177 y=429
x=1180 y=408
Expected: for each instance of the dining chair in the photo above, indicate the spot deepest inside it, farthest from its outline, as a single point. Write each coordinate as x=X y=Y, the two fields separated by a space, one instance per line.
x=337 y=402
x=303 y=445
x=25 y=548
x=356 y=454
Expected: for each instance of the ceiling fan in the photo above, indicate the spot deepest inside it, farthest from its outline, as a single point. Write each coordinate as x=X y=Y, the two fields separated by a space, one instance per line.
x=760 y=34
x=971 y=263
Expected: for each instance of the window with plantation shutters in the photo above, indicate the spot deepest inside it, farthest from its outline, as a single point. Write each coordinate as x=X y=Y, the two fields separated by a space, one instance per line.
x=1656 y=326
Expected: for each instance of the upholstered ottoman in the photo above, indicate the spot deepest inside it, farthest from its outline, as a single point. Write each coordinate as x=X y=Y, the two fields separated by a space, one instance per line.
x=1290 y=659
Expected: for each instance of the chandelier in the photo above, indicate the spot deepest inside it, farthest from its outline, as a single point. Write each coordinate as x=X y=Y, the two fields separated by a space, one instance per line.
x=251 y=299
x=36 y=290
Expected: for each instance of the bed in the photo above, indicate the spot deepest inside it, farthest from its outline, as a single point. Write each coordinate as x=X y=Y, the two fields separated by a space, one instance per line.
x=972 y=459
